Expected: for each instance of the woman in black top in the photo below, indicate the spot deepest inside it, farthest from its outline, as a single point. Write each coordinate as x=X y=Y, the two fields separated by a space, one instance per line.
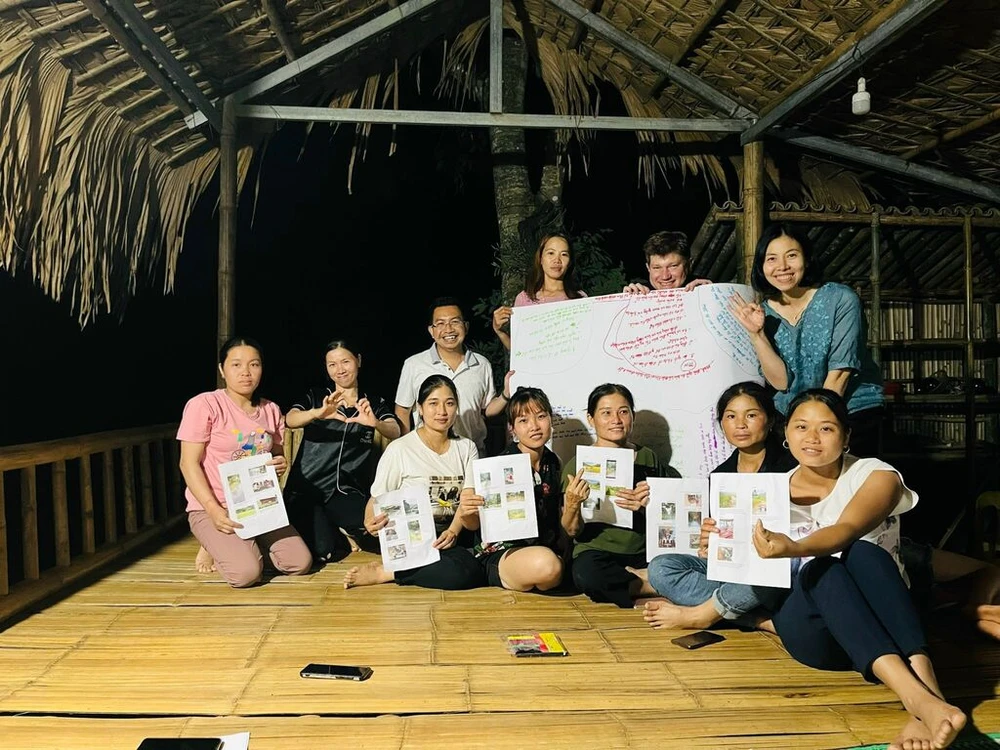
x=748 y=419
x=330 y=481
x=526 y=564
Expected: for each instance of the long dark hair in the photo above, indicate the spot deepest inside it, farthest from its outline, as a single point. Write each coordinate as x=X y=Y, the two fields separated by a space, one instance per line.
x=231 y=343
x=431 y=384
x=534 y=279
x=752 y=390
x=831 y=399
x=813 y=273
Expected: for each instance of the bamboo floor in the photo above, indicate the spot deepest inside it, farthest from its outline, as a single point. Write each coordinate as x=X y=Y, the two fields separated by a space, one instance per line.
x=156 y=649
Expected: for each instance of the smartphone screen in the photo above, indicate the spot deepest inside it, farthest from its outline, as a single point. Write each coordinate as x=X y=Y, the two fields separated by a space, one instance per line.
x=180 y=743
x=697 y=640
x=336 y=672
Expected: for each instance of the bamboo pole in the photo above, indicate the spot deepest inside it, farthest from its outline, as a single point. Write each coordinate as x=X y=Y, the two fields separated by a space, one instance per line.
x=227 y=223
x=146 y=485
x=60 y=513
x=128 y=487
x=875 y=277
x=970 y=363
x=753 y=204
x=4 y=568
x=160 y=480
x=110 y=513
x=29 y=523
x=87 y=504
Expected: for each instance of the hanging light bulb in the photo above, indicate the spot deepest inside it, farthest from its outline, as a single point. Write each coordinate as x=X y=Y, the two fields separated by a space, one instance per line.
x=861 y=102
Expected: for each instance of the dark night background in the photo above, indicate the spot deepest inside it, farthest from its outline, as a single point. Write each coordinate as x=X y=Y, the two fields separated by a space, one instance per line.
x=315 y=262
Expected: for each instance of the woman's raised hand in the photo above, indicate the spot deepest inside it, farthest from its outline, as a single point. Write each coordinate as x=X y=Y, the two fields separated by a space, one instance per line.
x=577 y=490
x=772 y=543
x=445 y=540
x=220 y=517
x=376 y=523
x=501 y=317
x=331 y=402
x=279 y=463
x=365 y=414
x=750 y=315
x=633 y=500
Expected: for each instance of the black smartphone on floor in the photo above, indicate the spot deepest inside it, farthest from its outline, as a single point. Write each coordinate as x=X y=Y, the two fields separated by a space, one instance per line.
x=180 y=743
x=697 y=640
x=336 y=672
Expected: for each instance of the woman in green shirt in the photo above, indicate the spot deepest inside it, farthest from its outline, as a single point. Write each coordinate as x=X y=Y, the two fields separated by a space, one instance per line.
x=604 y=555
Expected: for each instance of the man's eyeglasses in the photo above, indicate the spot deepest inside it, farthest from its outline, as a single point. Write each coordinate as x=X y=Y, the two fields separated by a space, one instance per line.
x=442 y=324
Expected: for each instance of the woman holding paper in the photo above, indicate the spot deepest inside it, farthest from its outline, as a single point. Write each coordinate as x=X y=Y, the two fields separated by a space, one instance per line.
x=810 y=334
x=527 y=564
x=551 y=278
x=747 y=417
x=606 y=557
x=221 y=426
x=849 y=606
x=429 y=456
x=328 y=486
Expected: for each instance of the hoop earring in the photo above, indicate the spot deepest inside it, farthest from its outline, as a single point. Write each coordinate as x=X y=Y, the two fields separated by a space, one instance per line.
x=784 y=444
x=847 y=449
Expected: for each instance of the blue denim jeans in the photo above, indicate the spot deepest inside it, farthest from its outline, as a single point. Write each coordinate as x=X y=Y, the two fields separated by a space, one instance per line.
x=683 y=580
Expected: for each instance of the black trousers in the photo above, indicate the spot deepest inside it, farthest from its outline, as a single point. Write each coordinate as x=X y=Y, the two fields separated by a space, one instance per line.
x=602 y=576
x=846 y=612
x=866 y=432
x=320 y=522
x=457 y=570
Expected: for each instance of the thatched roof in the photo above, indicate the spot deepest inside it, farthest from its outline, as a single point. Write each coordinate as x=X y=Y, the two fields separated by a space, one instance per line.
x=99 y=171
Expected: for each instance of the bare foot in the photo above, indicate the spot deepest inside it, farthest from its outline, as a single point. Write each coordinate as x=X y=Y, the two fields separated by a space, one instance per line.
x=204 y=563
x=642 y=588
x=641 y=573
x=368 y=574
x=669 y=615
x=913 y=736
x=989 y=612
x=942 y=720
x=641 y=603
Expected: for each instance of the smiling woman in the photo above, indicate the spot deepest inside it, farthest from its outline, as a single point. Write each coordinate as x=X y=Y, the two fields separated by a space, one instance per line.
x=809 y=333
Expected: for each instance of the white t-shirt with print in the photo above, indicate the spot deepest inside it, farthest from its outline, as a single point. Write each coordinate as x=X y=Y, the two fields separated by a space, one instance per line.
x=407 y=462
x=806 y=519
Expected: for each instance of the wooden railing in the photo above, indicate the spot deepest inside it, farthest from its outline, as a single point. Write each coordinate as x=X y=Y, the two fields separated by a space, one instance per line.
x=82 y=502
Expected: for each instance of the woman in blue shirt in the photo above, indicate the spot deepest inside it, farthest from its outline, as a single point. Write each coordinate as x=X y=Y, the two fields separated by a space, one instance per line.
x=810 y=334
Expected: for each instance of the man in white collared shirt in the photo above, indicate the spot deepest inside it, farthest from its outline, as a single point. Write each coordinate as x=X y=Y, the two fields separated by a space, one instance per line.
x=471 y=373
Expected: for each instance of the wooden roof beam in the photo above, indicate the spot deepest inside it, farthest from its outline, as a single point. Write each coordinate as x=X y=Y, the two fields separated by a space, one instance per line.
x=286 y=73
x=274 y=17
x=854 y=153
x=882 y=30
x=133 y=33
x=694 y=41
x=650 y=57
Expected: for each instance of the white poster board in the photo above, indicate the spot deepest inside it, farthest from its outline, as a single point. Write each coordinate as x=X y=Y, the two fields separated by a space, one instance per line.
x=673 y=516
x=676 y=350
x=507 y=485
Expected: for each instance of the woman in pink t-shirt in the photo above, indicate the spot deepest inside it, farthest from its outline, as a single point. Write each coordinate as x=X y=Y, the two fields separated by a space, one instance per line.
x=221 y=426
x=551 y=278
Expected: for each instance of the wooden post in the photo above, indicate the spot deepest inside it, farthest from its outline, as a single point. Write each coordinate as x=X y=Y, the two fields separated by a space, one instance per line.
x=108 y=480
x=29 y=523
x=875 y=277
x=160 y=480
x=128 y=489
x=87 y=504
x=146 y=485
x=753 y=204
x=60 y=513
x=4 y=569
x=227 y=224
x=970 y=396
